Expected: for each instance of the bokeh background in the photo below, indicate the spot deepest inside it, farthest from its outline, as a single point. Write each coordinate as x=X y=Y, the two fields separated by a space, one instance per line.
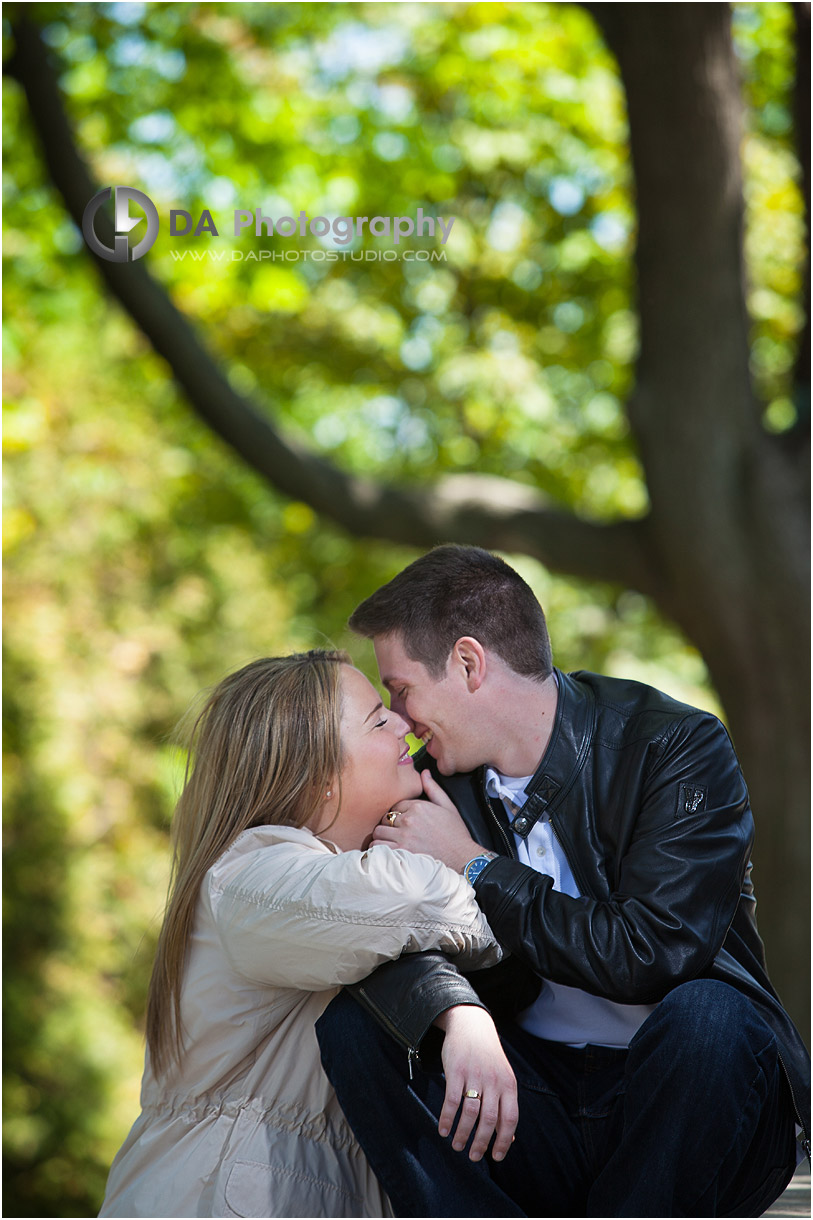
x=533 y=392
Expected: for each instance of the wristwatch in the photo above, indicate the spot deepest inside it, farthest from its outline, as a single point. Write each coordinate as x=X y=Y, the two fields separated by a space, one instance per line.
x=474 y=867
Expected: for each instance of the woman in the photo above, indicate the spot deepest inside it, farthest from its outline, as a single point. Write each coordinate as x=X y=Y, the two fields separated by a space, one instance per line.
x=275 y=903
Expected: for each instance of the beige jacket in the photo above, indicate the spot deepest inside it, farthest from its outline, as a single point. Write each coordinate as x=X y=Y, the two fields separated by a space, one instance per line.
x=248 y=1125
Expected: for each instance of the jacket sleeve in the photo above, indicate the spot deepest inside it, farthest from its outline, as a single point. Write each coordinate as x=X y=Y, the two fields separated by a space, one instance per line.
x=675 y=887
x=294 y=917
x=406 y=995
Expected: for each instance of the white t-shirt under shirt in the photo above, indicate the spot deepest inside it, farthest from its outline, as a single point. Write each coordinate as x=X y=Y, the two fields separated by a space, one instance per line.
x=563 y=1014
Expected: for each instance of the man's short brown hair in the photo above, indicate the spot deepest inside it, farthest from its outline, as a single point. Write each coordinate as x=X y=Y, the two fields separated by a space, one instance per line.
x=454 y=591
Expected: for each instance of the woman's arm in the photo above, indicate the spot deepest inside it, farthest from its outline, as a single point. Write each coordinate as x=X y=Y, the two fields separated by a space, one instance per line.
x=297 y=915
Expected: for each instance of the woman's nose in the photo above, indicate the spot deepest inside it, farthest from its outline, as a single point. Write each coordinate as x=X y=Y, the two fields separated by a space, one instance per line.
x=403 y=724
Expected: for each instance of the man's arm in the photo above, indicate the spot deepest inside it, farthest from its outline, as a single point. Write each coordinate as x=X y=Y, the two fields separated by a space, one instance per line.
x=677 y=885
x=419 y=990
x=683 y=837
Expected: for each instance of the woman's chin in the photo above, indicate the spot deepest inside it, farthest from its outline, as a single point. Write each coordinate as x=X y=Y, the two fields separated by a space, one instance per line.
x=414 y=787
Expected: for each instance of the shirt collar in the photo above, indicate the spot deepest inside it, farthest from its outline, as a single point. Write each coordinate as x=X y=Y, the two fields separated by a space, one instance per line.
x=502 y=786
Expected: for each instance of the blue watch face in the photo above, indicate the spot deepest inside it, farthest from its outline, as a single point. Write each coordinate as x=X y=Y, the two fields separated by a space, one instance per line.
x=475 y=867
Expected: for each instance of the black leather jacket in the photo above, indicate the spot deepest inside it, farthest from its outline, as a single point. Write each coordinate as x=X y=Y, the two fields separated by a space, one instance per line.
x=646 y=797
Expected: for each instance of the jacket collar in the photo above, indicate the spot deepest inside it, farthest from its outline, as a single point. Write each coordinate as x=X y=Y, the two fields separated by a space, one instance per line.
x=564 y=757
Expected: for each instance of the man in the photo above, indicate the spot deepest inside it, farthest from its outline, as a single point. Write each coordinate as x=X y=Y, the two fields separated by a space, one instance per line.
x=606 y=830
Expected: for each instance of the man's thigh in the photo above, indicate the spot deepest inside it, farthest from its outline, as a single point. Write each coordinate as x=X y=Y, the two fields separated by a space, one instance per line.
x=566 y=1098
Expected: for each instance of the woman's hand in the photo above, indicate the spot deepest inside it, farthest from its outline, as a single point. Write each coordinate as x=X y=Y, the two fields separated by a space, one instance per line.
x=433 y=827
x=473 y=1058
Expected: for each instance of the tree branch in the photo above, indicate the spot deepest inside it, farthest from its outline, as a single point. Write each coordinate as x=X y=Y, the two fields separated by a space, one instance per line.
x=473 y=508
x=694 y=406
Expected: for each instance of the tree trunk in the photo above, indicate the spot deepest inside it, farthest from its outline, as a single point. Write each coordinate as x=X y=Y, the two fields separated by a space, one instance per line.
x=729 y=509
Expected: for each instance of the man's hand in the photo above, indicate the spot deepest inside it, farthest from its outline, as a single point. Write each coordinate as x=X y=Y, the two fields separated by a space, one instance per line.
x=432 y=826
x=473 y=1058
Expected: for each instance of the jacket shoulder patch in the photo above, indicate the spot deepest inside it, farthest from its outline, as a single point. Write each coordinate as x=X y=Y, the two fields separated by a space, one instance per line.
x=691 y=799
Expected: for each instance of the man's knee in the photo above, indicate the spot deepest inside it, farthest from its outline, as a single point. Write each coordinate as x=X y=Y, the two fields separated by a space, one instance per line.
x=707 y=1014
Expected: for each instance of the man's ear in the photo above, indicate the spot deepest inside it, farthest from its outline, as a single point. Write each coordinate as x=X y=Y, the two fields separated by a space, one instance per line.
x=469 y=657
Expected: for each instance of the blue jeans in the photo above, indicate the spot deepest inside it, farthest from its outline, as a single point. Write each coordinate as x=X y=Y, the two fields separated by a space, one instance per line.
x=694 y=1119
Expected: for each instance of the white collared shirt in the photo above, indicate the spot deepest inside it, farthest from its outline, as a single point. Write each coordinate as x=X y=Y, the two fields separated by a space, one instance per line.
x=561 y=1013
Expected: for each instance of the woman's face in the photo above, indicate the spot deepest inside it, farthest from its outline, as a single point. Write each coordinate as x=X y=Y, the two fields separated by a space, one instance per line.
x=377 y=768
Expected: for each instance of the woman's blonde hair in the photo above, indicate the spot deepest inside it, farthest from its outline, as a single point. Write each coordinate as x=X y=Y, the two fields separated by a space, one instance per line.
x=264 y=750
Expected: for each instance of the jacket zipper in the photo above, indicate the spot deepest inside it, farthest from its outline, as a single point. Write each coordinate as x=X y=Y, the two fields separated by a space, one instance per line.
x=412 y=1051
x=511 y=850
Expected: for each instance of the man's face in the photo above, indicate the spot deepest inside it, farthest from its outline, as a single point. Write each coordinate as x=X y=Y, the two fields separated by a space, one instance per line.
x=438 y=709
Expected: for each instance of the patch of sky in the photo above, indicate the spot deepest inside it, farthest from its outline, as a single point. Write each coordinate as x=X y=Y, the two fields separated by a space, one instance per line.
x=152 y=167
x=505 y=230
x=394 y=101
x=745 y=21
x=361 y=93
x=78 y=50
x=566 y=195
x=610 y=230
x=384 y=411
x=592 y=177
x=396 y=428
x=390 y=145
x=221 y=193
x=412 y=433
x=344 y=128
x=358 y=48
x=132 y=49
x=124 y=13
x=56 y=34
x=527 y=275
x=416 y=352
x=168 y=62
x=276 y=206
x=504 y=341
x=188 y=163
x=128 y=50
x=568 y=316
x=329 y=431
x=152 y=128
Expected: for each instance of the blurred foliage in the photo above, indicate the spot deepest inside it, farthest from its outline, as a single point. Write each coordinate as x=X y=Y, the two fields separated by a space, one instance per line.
x=143 y=561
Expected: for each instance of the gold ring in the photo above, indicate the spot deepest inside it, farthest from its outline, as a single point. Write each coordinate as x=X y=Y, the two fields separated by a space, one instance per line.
x=392 y=817
x=473 y=1094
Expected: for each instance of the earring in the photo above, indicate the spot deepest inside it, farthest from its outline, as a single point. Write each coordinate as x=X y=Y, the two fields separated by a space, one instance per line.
x=329 y=793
